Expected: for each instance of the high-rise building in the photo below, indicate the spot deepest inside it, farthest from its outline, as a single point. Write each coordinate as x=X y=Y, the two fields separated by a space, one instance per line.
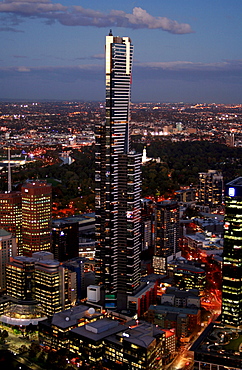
x=8 y=249
x=167 y=234
x=211 y=188
x=20 y=277
x=11 y=215
x=232 y=255
x=220 y=344
x=65 y=239
x=36 y=216
x=52 y=285
x=42 y=279
x=118 y=183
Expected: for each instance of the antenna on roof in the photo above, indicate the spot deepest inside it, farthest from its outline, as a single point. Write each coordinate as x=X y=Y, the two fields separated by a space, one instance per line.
x=110 y=33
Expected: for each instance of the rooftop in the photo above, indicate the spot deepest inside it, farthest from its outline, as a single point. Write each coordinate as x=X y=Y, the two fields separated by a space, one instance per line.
x=4 y=233
x=70 y=317
x=235 y=182
x=220 y=342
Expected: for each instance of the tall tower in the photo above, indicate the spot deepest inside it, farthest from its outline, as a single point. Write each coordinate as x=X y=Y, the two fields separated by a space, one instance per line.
x=232 y=255
x=118 y=183
x=36 y=217
x=211 y=187
x=167 y=234
x=11 y=215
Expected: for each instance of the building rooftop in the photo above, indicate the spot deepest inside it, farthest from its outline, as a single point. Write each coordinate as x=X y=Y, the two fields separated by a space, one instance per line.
x=224 y=344
x=235 y=182
x=98 y=330
x=4 y=233
x=172 y=309
x=70 y=317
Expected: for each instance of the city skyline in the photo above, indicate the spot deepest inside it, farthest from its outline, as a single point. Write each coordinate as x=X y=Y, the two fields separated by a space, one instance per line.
x=184 y=51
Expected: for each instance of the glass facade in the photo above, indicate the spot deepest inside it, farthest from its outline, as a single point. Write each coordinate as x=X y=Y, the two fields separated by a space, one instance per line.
x=118 y=181
x=167 y=234
x=36 y=217
x=232 y=255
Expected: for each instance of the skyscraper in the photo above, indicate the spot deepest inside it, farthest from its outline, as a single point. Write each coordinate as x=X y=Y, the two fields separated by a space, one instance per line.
x=118 y=183
x=167 y=234
x=36 y=216
x=232 y=255
x=8 y=249
x=211 y=188
x=11 y=215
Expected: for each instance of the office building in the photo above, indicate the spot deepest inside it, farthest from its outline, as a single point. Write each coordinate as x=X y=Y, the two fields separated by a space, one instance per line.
x=183 y=319
x=51 y=285
x=147 y=225
x=211 y=188
x=167 y=234
x=119 y=346
x=20 y=278
x=118 y=183
x=232 y=255
x=54 y=331
x=36 y=217
x=65 y=239
x=39 y=278
x=8 y=249
x=186 y=275
x=11 y=215
x=219 y=346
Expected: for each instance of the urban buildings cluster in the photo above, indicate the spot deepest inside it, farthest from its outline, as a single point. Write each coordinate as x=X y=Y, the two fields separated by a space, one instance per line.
x=133 y=285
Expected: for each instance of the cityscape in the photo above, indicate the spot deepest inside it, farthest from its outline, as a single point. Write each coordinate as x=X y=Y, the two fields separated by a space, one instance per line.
x=120 y=218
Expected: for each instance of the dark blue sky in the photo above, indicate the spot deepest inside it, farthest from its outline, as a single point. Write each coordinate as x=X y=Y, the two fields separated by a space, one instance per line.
x=184 y=50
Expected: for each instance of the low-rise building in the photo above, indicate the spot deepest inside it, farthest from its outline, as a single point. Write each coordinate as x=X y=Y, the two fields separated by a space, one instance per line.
x=120 y=346
x=54 y=331
x=218 y=347
x=184 y=320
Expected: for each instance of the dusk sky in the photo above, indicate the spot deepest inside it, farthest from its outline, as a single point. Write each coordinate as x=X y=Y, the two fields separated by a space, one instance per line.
x=184 y=50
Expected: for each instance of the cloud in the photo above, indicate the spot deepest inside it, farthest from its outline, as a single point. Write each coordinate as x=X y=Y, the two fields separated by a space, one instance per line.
x=98 y=56
x=141 y=71
x=9 y=29
x=189 y=71
x=79 y=16
x=222 y=66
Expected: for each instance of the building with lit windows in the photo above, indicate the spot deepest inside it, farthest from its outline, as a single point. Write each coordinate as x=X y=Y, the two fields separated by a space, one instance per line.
x=51 y=286
x=211 y=188
x=39 y=278
x=232 y=255
x=120 y=346
x=11 y=215
x=167 y=234
x=54 y=331
x=20 y=278
x=186 y=275
x=8 y=249
x=36 y=216
x=219 y=346
x=118 y=184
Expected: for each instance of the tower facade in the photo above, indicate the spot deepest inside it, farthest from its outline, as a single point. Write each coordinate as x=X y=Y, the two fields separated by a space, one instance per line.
x=8 y=249
x=232 y=255
x=167 y=234
x=11 y=215
x=36 y=217
x=211 y=187
x=118 y=183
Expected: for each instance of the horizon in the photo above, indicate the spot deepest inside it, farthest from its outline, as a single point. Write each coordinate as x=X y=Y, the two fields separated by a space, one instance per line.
x=183 y=51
